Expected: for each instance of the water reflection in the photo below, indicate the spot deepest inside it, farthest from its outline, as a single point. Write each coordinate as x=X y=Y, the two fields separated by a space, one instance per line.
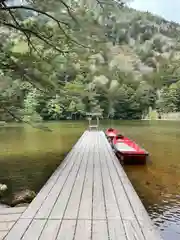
x=167 y=218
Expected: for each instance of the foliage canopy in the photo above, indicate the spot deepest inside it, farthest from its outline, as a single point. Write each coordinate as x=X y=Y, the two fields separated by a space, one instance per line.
x=60 y=60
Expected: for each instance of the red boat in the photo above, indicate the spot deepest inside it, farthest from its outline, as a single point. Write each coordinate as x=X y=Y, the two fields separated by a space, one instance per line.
x=111 y=133
x=128 y=151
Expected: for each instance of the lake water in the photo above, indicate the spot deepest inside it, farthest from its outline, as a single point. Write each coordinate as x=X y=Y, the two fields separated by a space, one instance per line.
x=28 y=157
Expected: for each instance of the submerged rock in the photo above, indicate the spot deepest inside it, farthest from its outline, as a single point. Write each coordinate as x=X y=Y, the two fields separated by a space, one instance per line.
x=3 y=187
x=25 y=196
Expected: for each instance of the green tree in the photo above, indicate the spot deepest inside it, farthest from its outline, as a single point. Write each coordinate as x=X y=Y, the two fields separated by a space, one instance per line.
x=109 y=90
x=127 y=107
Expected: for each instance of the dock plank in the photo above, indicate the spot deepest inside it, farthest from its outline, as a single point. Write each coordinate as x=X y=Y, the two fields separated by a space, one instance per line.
x=50 y=230
x=6 y=226
x=98 y=198
x=83 y=230
x=110 y=200
x=13 y=210
x=9 y=217
x=149 y=230
x=67 y=229
x=116 y=230
x=99 y=230
x=3 y=234
x=75 y=198
x=34 y=230
x=62 y=201
x=85 y=210
x=18 y=230
x=133 y=232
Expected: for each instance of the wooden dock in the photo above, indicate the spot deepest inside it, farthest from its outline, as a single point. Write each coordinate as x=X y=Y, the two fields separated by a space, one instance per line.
x=88 y=197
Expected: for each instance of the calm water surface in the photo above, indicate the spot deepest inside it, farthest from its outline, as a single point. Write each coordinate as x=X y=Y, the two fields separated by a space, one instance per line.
x=28 y=157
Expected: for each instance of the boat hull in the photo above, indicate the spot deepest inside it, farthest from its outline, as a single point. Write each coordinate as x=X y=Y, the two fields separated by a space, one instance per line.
x=128 y=151
x=126 y=158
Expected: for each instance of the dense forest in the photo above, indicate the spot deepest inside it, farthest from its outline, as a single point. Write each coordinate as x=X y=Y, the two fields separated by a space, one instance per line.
x=61 y=59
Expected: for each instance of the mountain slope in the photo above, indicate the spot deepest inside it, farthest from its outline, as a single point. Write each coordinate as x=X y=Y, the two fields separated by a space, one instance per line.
x=129 y=62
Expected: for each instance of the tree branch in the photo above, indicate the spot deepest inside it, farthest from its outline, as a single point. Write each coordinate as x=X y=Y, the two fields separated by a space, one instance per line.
x=10 y=8
x=25 y=30
x=100 y=4
x=27 y=36
x=6 y=8
x=22 y=121
x=69 y=11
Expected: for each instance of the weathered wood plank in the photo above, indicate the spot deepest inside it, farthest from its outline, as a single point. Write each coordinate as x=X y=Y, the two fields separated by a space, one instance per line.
x=18 y=230
x=9 y=218
x=6 y=226
x=40 y=198
x=150 y=230
x=66 y=231
x=83 y=230
x=116 y=230
x=85 y=210
x=110 y=200
x=62 y=201
x=12 y=210
x=133 y=232
x=3 y=234
x=75 y=198
x=50 y=230
x=137 y=205
x=99 y=230
x=98 y=198
x=34 y=230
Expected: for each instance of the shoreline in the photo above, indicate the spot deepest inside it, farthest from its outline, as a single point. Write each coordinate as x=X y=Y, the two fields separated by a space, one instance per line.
x=160 y=119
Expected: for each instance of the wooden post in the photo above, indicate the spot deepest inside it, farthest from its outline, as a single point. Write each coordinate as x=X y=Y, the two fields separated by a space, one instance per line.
x=96 y=115
x=97 y=123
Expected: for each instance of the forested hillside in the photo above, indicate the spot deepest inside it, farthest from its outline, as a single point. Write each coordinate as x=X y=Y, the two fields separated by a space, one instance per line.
x=60 y=60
